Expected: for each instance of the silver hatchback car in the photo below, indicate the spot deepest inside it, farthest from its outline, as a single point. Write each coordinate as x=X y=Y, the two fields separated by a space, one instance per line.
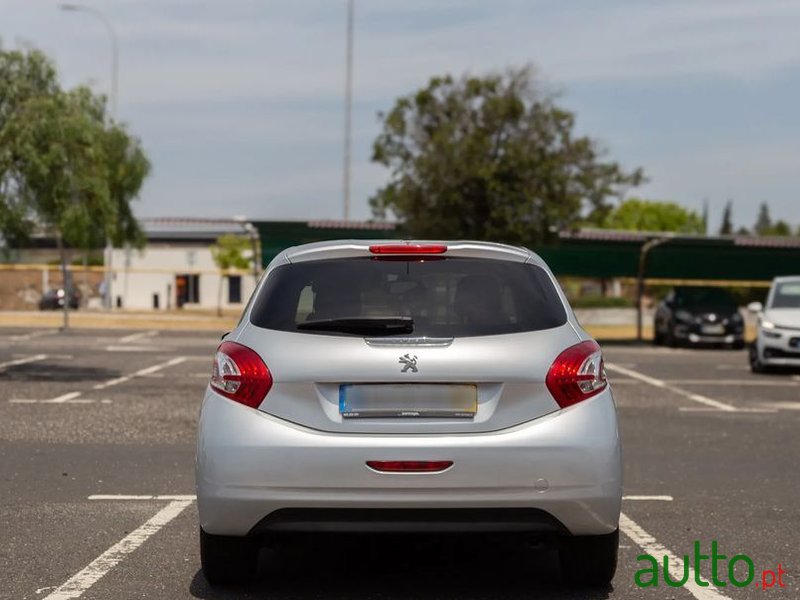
x=404 y=386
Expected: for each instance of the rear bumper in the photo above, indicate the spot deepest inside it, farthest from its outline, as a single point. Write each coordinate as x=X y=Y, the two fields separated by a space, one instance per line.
x=565 y=466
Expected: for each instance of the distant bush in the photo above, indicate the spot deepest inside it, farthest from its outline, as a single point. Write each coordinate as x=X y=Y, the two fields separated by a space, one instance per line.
x=601 y=302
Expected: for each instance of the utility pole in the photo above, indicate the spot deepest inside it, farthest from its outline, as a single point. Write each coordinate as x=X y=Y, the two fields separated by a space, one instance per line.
x=112 y=34
x=348 y=108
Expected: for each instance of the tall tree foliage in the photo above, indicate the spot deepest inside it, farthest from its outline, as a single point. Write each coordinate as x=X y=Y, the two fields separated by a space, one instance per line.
x=491 y=158
x=765 y=226
x=648 y=215
x=763 y=221
x=65 y=168
x=726 y=228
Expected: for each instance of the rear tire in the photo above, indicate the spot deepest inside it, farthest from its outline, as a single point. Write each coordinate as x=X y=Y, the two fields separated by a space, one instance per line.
x=589 y=560
x=228 y=559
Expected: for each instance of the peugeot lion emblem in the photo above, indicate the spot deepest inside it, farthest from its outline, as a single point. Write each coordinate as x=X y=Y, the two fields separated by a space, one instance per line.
x=409 y=363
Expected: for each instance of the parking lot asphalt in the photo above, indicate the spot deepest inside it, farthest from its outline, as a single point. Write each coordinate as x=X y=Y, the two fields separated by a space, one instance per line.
x=97 y=447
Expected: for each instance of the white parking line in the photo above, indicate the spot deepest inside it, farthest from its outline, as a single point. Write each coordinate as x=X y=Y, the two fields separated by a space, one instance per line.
x=656 y=498
x=22 y=361
x=145 y=371
x=130 y=348
x=34 y=334
x=676 y=568
x=74 y=397
x=189 y=497
x=76 y=585
x=720 y=382
x=138 y=336
x=63 y=398
x=736 y=382
x=672 y=388
x=716 y=410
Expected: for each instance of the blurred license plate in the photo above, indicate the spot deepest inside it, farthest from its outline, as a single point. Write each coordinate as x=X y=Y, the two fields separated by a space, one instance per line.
x=713 y=329
x=393 y=400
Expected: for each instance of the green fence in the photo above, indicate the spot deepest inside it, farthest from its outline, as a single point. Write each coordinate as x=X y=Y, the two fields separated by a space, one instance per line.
x=591 y=253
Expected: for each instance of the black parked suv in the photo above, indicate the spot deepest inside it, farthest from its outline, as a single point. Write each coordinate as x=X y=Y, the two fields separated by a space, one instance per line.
x=698 y=315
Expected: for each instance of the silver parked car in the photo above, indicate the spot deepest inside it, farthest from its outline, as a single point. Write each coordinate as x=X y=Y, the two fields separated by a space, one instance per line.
x=778 y=337
x=408 y=386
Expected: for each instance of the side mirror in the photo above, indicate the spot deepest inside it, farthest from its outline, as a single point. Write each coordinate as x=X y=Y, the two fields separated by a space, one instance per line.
x=755 y=307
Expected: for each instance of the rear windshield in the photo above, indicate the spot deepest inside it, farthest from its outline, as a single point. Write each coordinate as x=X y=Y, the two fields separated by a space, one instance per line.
x=445 y=297
x=787 y=295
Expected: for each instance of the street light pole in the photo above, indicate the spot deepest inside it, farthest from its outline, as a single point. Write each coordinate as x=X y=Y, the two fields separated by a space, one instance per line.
x=112 y=34
x=348 y=108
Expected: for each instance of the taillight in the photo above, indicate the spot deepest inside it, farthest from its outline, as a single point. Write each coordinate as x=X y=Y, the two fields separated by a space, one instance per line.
x=240 y=374
x=577 y=374
x=401 y=249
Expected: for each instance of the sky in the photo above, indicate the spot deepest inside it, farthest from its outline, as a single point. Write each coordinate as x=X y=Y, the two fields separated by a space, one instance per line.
x=240 y=103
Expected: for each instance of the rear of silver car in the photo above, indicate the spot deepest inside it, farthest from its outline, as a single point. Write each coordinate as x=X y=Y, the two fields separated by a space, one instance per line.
x=404 y=386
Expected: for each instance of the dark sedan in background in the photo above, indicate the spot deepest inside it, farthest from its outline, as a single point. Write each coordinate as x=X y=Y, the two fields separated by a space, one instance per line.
x=698 y=315
x=54 y=299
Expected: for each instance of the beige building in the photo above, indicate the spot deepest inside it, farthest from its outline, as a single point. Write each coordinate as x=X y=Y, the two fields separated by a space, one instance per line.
x=176 y=268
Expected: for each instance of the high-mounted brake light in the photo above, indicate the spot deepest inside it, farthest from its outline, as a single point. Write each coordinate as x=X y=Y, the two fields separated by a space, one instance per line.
x=399 y=249
x=578 y=373
x=240 y=374
x=409 y=466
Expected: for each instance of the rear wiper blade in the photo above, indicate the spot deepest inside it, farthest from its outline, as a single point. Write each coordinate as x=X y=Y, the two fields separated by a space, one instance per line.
x=373 y=326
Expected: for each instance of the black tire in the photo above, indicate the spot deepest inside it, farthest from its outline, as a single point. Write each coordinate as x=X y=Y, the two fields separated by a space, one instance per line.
x=756 y=366
x=589 y=560
x=228 y=559
x=738 y=345
x=658 y=338
x=670 y=339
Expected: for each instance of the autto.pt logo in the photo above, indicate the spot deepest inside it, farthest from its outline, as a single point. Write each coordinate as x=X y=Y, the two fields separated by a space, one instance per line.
x=705 y=570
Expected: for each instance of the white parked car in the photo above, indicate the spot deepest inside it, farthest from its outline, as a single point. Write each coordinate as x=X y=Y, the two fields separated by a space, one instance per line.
x=778 y=340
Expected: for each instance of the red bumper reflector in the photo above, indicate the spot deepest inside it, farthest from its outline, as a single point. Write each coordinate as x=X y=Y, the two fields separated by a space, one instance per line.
x=408 y=249
x=409 y=466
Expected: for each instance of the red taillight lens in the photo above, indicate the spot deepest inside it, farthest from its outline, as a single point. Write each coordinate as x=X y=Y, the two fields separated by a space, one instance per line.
x=577 y=374
x=409 y=466
x=396 y=249
x=240 y=374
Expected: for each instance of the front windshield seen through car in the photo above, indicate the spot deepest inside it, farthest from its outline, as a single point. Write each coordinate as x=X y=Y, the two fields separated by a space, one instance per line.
x=787 y=295
x=704 y=297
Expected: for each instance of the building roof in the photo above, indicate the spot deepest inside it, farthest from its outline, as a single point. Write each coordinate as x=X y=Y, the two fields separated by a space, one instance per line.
x=191 y=229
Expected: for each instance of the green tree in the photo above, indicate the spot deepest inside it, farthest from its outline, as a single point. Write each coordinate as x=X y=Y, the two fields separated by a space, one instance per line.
x=764 y=221
x=648 y=215
x=230 y=253
x=490 y=158
x=727 y=219
x=766 y=227
x=64 y=168
x=24 y=77
x=779 y=228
